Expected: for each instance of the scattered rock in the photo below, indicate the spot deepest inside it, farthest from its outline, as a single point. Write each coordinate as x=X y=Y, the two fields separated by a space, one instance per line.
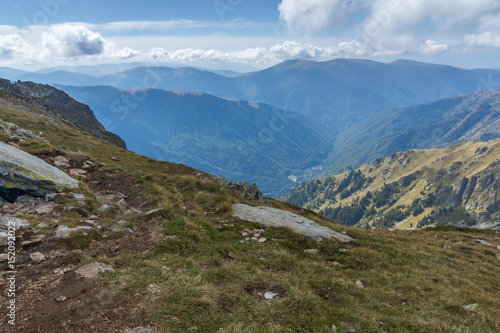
x=106 y=208
x=311 y=251
x=433 y=278
x=61 y=162
x=360 y=285
x=498 y=256
x=122 y=204
x=277 y=217
x=25 y=199
x=77 y=196
x=482 y=241
x=77 y=172
x=232 y=255
x=343 y=251
x=4 y=239
x=471 y=307
x=35 y=240
x=50 y=197
x=19 y=224
x=62 y=232
x=61 y=299
x=37 y=257
x=105 y=199
x=115 y=158
x=92 y=270
x=4 y=257
x=262 y=240
x=270 y=295
x=121 y=222
x=334 y=328
x=45 y=209
x=446 y=247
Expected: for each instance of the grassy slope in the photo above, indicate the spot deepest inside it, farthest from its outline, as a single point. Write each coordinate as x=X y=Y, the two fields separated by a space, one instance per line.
x=190 y=284
x=426 y=162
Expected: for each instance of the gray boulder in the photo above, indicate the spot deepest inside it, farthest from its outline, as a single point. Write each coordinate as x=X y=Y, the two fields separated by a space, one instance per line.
x=17 y=223
x=22 y=173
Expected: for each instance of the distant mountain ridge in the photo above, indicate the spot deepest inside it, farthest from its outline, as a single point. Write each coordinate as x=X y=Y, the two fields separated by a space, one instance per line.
x=240 y=140
x=337 y=93
x=437 y=124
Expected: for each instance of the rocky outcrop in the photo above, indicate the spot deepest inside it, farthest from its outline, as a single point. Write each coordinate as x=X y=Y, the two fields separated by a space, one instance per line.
x=54 y=101
x=280 y=218
x=22 y=173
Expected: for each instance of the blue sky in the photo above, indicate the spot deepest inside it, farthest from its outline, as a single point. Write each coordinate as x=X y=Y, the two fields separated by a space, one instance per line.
x=258 y=33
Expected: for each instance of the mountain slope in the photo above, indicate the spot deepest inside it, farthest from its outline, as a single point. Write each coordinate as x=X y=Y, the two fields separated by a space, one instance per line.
x=54 y=101
x=188 y=266
x=240 y=140
x=459 y=185
x=337 y=93
x=437 y=124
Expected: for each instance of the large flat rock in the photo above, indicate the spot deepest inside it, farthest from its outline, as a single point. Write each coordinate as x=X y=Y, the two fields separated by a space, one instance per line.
x=276 y=217
x=22 y=173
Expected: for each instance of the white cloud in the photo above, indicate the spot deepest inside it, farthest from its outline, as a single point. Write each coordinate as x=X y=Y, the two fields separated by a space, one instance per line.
x=68 y=40
x=317 y=15
x=13 y=46
x=432 y=47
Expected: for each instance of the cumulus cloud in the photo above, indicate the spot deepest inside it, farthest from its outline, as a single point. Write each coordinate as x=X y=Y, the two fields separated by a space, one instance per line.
x=73 y=41
x=58 y=42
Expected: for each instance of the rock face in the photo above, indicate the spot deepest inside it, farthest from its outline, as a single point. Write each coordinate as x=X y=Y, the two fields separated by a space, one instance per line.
x=276 y=217
x=22 y=173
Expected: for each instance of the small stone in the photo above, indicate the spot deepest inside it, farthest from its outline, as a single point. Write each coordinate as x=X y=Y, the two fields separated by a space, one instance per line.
x=498 y=256
x=232 y=255
x=45 y=209
x=17 y=223
x=334 y=328
x=61 y=299
x=92 y=270
x=360 y=285
x=343 y=251
x=122 y=204
x=62 y=232
x=106 y=208
x=433 y=278
x=244 y=234
x=61 y=162
x=25 y=199
x=37 y=257
x=42 y=225
x=84 y=227
x=446 y=247
x=269 y=295
x=311 y=251
x=336 y=263
x=50 y=197
x=115 y=158
x=262 y=240
x=77 y=196
x=126 y=230
x=4 y=257
x=471 y=307
x=77 y=172
x=121 y=222
x=89 y=222
x=262 y=231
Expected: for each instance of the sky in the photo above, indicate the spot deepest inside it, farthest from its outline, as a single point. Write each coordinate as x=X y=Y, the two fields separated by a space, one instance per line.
x=251 y=33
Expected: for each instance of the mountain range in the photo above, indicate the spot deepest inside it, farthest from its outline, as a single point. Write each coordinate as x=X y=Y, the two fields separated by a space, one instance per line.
x=337 y=93
x=240 y=140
